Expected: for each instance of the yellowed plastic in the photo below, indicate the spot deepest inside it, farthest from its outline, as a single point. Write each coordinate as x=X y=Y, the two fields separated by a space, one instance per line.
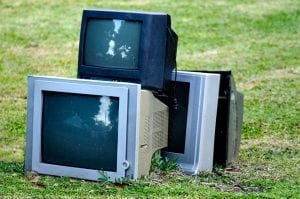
x=154 y=117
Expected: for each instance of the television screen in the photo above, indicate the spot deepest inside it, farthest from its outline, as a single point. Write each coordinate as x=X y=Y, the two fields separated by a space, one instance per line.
x=113 y=43
x=138 y=47
x=78 y=128
x=178 y=124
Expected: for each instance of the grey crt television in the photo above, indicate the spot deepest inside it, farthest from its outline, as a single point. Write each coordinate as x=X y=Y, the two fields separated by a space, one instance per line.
x=82 y=128
x=192 y=124
x=127 y=46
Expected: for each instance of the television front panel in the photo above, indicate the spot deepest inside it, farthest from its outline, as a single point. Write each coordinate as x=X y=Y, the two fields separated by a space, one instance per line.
x=137 y=47
x=81 y=128
x=70 y=122
x=192 y=124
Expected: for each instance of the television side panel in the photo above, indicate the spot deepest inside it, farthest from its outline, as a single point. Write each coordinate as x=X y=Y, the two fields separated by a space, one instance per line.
x=153 y=130
x=29 y=126
x=209 y=115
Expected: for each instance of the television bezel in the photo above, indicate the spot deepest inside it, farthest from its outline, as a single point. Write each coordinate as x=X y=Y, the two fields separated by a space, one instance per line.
x=155 y=28
x=201 y=120
x=128 y=93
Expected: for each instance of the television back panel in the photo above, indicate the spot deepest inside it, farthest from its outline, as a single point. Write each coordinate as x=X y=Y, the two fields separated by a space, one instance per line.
x=192 y=124
x=239 y=124
x=235 y=126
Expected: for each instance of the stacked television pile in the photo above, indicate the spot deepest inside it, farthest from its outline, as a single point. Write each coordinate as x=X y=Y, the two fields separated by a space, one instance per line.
x=129 y=101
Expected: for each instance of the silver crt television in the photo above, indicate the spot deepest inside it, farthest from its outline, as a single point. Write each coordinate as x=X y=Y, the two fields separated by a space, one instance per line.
x=192 y=123
x=92 y=129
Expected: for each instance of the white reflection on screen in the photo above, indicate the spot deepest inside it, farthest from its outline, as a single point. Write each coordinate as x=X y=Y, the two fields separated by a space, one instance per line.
x=104 y=111
x=111 y=48
x=124 y=49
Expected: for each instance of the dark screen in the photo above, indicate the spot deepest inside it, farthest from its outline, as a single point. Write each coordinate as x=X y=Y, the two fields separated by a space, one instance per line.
x=112 y=43
x=80 y=130
x=178 y=117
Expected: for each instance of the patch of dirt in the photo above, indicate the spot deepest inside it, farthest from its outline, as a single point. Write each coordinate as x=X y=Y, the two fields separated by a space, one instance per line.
x=270 y=142
x=290 y=73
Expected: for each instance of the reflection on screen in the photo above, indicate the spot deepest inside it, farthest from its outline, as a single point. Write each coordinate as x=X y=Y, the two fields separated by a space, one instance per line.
x=80 y=130
x=112 y=43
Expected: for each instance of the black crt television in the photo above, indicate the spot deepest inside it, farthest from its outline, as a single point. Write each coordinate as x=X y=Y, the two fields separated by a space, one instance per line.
x=138 y=47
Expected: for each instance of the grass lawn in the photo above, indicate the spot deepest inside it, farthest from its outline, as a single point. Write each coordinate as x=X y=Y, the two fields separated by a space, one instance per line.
x=259 y=40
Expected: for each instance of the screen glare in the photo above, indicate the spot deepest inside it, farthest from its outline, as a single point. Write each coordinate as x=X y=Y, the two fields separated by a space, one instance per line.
x=80 y=130
x=112 y=43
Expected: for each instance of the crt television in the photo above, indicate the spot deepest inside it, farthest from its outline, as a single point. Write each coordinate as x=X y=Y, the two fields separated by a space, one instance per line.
x=90 y=129
x=229 y=120
x=137 y=47
x=192 y=124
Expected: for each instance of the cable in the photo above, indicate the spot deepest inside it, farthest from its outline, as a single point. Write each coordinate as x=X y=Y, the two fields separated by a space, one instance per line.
x=173 y=101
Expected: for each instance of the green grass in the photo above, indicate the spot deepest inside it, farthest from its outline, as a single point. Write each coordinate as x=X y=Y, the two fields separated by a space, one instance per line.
x=258 y=40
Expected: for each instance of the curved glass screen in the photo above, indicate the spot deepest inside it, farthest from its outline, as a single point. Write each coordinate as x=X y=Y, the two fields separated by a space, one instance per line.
x=112 y=43
x=80 y=130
